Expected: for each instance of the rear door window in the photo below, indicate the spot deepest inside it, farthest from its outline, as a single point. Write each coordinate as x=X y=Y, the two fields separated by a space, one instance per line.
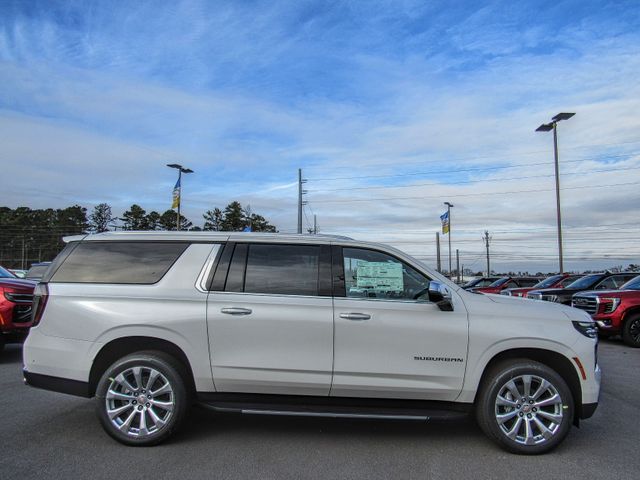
x=282 y=269
x=119 y=262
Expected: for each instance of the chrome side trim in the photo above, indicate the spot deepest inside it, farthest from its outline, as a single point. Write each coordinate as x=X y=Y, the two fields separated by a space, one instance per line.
x=336 y=415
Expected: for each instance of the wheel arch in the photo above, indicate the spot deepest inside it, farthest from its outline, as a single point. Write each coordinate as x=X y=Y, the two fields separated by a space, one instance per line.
x=121 y=347
x=554 y=360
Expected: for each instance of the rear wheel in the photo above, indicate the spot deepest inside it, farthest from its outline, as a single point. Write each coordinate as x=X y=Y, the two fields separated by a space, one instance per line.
x=631 y=331
x=142 y=398
x=525 y=406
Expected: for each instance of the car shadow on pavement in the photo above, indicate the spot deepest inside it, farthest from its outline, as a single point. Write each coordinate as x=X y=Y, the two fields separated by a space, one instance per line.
x=203 y=423
x=11 y=354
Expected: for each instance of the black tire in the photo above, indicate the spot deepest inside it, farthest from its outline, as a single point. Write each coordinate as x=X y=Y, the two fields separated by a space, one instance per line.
x=487 y=410
x=631 y=331
x=170 y=372
x=1 y=344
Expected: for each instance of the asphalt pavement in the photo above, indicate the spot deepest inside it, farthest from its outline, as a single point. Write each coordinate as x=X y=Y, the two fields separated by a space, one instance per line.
x=49 y=435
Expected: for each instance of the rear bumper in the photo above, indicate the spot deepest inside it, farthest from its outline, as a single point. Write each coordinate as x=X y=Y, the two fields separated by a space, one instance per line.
x=56 y=384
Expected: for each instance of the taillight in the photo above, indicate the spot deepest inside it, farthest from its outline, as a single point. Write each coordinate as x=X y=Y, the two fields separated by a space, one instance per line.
x=40 y=297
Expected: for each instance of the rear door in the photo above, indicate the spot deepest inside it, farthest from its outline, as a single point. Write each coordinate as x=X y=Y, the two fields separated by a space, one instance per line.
x=390 y=340
x=270 y=319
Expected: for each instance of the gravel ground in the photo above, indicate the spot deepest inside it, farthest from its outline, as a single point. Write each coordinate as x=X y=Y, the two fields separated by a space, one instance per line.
x=49 y=434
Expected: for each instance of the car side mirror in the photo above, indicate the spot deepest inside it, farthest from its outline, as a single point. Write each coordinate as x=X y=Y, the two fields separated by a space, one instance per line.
x=441 y=296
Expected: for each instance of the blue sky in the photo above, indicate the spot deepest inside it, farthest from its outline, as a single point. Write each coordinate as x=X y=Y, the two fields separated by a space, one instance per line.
x=430 y=100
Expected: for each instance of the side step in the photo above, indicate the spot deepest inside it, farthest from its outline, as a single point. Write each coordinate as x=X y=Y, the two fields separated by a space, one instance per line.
x=332 y=407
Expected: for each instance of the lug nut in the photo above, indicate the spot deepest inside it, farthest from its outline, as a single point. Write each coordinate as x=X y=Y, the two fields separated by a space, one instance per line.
x=528 y=415
x=134 y=402
x=531 y=402
x=517 y=405
x=148 y=404
x=535 y=409
x=521 y=414
x=139 y=407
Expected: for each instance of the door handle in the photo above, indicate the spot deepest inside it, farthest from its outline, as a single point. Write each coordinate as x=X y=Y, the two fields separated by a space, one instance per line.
x=236 y=311
x=355 y=316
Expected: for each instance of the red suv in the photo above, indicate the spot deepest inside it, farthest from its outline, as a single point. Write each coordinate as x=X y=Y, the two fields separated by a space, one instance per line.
x=555 y=281
x=507 y=282
x=16 y=296
x=615 y=311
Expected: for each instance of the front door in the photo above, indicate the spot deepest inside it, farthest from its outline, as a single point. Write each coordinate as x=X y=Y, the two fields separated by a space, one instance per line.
x=270 y=319
x=390 y=341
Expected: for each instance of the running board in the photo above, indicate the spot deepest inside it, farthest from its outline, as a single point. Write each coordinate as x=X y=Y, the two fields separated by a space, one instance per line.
x=328 y=407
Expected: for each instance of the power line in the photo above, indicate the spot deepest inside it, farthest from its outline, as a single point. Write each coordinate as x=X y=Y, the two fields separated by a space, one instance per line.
x=377 y=187
x=472 y=157
x=471 y=194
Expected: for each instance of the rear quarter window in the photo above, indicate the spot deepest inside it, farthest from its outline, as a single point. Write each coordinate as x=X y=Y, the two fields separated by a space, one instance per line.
x=119 y=262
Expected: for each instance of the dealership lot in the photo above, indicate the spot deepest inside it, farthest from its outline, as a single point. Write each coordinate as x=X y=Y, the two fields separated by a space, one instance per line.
x=49 y=434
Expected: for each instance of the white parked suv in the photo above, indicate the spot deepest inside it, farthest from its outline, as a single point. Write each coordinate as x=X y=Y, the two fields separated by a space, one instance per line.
x=149 y=322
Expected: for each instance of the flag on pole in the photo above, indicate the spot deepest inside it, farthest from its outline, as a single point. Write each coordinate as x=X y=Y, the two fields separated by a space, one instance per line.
x=444 y=218
x=176 y=195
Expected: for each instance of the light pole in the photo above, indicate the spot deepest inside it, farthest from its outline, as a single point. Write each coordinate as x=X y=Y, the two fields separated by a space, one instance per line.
x=546 y=127
x=449 y=207
x=177 y=190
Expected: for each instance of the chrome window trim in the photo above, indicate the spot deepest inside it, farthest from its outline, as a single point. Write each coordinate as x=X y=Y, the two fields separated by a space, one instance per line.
x=201 y=281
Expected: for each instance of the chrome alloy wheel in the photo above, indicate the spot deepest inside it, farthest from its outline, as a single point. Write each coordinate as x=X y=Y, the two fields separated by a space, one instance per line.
x=139 y=401
x=529 y=410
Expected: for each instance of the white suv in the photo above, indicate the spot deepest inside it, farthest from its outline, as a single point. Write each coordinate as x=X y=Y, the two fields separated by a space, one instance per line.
x=149 y=322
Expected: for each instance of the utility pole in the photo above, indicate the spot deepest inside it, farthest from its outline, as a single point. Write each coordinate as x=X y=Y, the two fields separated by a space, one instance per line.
x=449 y=205
x=315 y=224
x=438 y=265
x=458 y=265
x=487 y=239
x=300 y=201
x=22 y=263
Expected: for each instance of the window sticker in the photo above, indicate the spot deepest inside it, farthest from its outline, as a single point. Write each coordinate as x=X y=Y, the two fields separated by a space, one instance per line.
x=380 y=276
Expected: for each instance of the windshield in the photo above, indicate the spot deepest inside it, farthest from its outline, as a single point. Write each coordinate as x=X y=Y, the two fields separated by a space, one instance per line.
x=631 y=284
x=500 y=282
x=585 y=282
x=547 y=282
x=4 y=273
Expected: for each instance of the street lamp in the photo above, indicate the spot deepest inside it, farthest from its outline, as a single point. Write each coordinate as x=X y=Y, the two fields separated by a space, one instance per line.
x=449 y=207
x=546 y=127
x=178 y=188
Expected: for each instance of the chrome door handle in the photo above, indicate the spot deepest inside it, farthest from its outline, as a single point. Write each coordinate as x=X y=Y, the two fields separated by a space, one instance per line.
x=355 y=316
x=236 y=311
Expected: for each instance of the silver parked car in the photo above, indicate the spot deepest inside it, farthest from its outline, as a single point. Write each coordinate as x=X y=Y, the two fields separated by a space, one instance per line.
x=148 y=322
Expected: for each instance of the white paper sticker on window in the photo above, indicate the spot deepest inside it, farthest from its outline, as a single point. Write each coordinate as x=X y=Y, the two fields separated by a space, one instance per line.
x=380 y=276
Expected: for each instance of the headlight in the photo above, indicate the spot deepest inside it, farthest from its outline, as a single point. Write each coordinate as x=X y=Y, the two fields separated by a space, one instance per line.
x=609 y=304
x=505 y=292
x=534 y=296
x=550 y=298
x=588 y=329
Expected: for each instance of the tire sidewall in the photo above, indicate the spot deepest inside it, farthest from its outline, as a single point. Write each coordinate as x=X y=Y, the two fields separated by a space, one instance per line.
x=167 y=367
x=497 y=379
x=626 y=332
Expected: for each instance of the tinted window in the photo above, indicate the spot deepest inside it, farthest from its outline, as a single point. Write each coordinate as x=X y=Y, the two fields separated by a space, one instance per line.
x=585 y=282
x=119 y=262
x=282 y=269
x=375 y=275
x=36 y=272
x=569 y=280
x=500 y=282
x=632 y=284
x=6 y=273
x=548 y=282
x=528 y=282
x=607 y=284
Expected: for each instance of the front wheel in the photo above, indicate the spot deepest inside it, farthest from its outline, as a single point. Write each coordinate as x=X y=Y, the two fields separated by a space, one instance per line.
x=525 y=406
x=631 y=331
x=142 y=398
